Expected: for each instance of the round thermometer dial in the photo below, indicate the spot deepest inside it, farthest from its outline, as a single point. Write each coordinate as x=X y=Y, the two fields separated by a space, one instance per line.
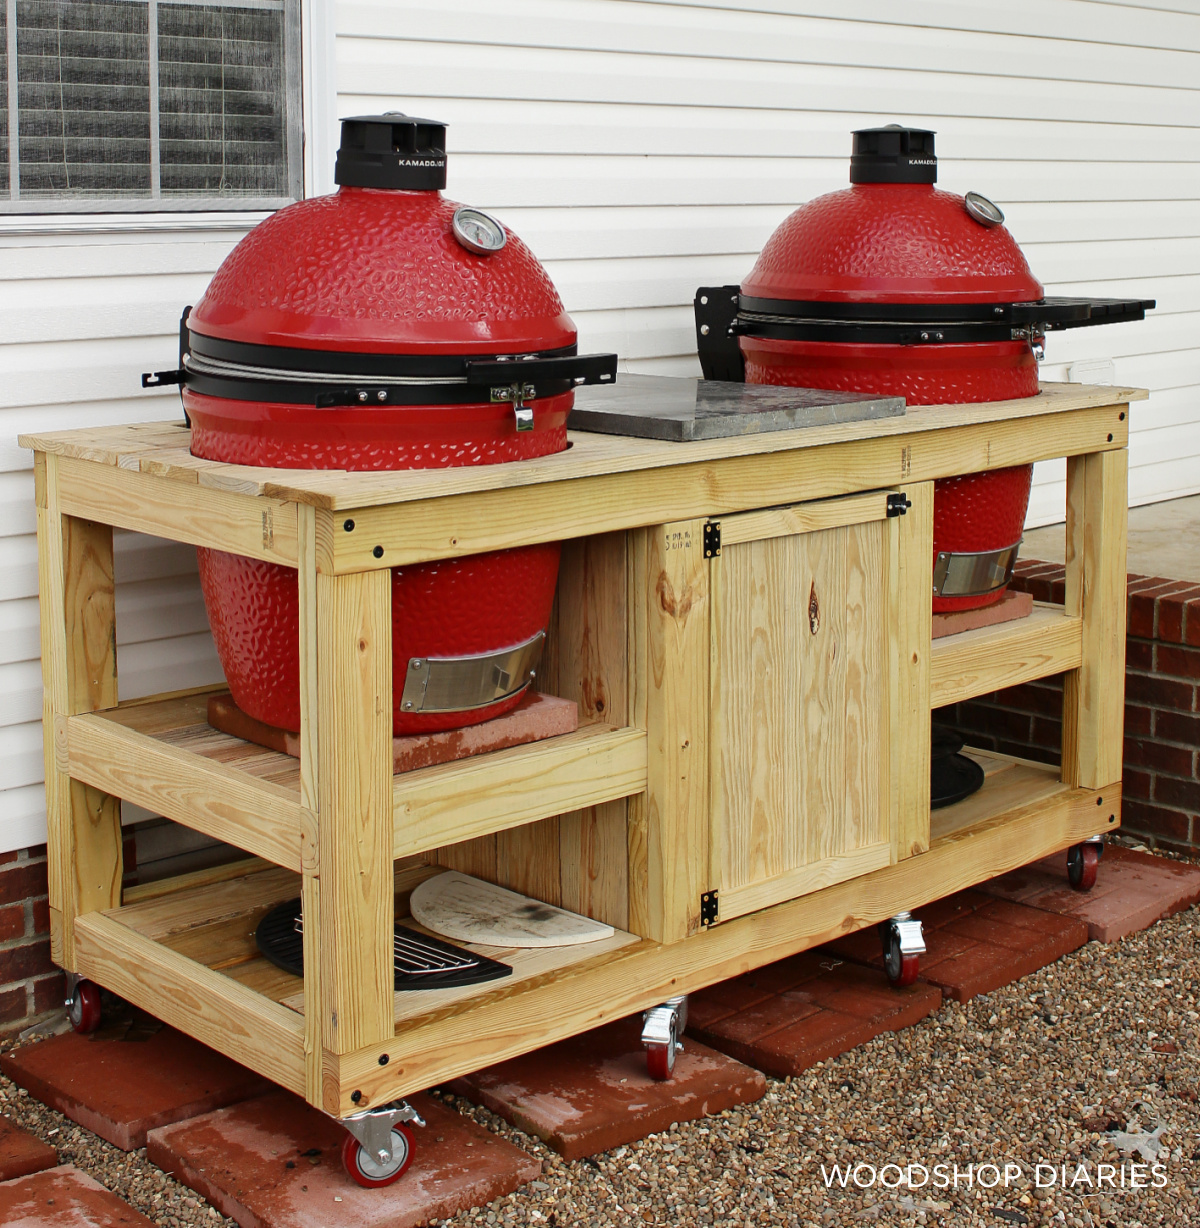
x=478 y=232
x=984 y=211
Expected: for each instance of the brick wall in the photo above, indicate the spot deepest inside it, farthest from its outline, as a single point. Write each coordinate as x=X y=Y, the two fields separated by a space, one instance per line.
x=1162 y=707
x=30 y=985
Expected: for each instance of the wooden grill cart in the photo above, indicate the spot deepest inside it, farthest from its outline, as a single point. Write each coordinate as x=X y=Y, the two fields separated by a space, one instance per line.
x=745 y=624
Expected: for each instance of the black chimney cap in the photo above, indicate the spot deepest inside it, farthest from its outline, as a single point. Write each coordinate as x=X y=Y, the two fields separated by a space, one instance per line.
x=392 y=151
x=893 y=155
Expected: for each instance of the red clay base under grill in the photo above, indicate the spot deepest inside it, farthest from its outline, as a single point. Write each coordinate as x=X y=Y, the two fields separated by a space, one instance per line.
x=1008 y=609
x=537 y=716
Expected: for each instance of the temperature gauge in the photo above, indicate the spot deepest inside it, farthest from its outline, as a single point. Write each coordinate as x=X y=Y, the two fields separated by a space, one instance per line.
x=478 y=232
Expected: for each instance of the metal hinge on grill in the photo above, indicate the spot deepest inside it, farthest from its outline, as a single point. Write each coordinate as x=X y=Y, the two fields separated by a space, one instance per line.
x=898 y=504
x=712 y=539
x=709 y=908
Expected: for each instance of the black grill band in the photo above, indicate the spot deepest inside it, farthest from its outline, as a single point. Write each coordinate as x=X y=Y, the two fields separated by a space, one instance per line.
x=328 y=379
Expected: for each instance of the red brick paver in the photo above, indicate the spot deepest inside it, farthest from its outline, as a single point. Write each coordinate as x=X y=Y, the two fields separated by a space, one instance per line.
x=64 y=1198
x=274 y=1162
x=976 y=943
x=1132 y=891
x=591 y=1092
x=537 y=716
x=792 y=1014
x=21 y=1153
x=125 y=1080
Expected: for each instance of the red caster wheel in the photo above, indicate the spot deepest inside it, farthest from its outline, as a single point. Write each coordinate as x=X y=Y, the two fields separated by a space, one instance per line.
x=83 y=1007
x=367 y=1170
x=662 y=1027
x=660 y=1061
x=903 y=946
x=1083 y=860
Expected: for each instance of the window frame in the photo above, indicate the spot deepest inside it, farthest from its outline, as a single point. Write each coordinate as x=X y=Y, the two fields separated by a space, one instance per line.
x=14 y=209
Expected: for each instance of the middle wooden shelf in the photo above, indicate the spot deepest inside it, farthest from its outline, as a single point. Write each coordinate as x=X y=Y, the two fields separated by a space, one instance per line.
x=162 y=754
x=988 y=659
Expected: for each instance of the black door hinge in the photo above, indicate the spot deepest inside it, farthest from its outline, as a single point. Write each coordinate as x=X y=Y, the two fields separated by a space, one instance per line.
x=712 y=539
x=709 y=909
x=898 y=504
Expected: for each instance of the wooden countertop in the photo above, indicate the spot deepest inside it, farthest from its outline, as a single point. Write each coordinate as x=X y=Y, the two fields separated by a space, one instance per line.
x=161 y=448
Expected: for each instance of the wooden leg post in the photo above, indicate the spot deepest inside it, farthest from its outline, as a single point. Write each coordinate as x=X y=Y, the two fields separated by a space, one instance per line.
x=79 y=674
x=1093 y=714
x=354 y=812
x=910 y=562
x=669 y=823
x=310 y=851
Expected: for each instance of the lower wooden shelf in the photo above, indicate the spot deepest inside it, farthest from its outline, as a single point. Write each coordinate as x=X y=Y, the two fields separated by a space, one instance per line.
x=1009 y=785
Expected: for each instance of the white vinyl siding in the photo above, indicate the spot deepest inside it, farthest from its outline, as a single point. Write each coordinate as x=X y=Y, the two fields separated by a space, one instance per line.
x=81 y=316
x=643 y=148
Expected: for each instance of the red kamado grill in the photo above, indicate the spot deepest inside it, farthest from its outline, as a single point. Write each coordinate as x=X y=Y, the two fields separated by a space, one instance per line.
x=893 y=287
x=384 y=327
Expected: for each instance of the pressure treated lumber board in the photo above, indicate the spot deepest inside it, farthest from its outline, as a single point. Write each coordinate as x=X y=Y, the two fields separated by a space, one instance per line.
x=354 y=807
x=501 y=1022
x=507 y=788
x=1097 y=521
x=262 y=528
x=165 y=755
x=798 y=730
x=910 y=618
x=445 y=526
x=987 y=659
x=229 y=1017
x=527 y=965
x=79 y=671
x=220 y=800
x=590 y=454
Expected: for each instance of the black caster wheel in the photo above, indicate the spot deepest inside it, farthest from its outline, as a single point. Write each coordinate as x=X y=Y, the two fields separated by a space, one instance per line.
x=365 y=1169
x=1083 y=860
x=83 y=1007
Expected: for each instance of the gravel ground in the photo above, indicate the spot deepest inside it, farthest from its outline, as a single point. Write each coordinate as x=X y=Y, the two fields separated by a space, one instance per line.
x=1080 y=1064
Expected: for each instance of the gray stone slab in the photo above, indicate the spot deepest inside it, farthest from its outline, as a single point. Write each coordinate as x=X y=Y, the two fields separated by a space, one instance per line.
x=683 y=410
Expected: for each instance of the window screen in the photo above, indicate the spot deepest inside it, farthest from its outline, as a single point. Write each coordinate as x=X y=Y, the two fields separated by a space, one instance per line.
x=149 y=104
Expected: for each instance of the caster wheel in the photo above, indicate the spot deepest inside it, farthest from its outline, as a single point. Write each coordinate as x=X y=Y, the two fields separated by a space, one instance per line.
x=901 y=969
x=1082 y=862
x=660 y=1061
x=83 y=1007
x=366 y=1170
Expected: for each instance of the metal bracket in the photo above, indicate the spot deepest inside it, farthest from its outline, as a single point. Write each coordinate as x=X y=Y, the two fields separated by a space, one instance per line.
x=710 y=908
x=716 y=310
x=712 y=539
x=458 y=684
x=373 y=1127
x=666 y=1023
x=964 y=574
x=898 y=504
x=908 y=929
x=518 y=394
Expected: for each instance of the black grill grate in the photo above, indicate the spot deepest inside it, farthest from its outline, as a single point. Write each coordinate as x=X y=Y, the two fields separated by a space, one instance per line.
x=421 y=962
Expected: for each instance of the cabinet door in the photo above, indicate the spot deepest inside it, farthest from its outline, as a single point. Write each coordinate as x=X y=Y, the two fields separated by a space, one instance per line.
x=810 y=640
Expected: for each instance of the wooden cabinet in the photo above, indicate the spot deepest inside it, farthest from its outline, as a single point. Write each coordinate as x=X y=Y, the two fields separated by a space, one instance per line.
x=745 y=624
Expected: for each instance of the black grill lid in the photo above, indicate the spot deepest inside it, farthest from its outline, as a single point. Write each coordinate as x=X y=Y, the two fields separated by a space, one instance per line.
x=392 y=151
x=893 y=155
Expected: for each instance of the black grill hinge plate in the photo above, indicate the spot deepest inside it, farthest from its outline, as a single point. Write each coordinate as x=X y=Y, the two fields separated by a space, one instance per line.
x=709 y=909
x=898 y=504
x=712 y=538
